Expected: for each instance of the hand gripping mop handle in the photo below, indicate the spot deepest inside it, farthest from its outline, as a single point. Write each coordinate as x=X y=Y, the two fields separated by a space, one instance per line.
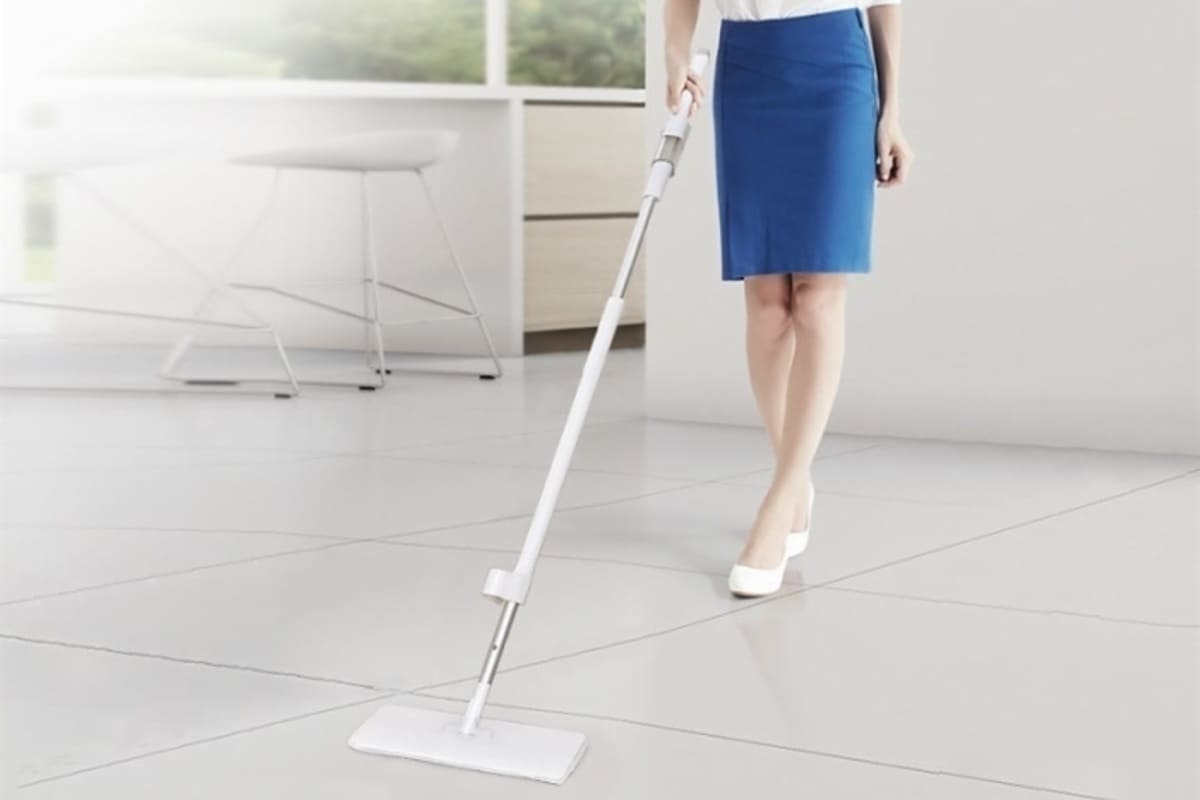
x=510 y=588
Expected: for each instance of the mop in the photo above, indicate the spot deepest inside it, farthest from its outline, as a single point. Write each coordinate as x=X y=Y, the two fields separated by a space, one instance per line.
x=509 y=748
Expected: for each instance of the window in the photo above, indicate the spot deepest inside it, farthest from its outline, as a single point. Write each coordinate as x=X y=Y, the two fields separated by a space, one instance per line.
x=549 y=42
x=365 y=40
x=577 y=43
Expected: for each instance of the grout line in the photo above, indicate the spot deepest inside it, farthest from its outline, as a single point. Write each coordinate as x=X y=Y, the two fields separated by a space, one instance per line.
x=334 y=541
x=185 y=571
x=911 y=501
x=574 y=715
x=560 y=417
x=657 y=476
x=536 y=467
x=303 y=455
x=393 y=540
x=110 y=468
x=611 y=645
x=773 y=746
x=741 y=607
x=821 y=586
x=207 y=740
x=855 y=451
x=419 y=691
x=1016 y=526
x=385 y=539
x=166 y=448
x=684 y=485
x=194 y=662
x=1019 y=609
x=556 y=557
x=52 y=526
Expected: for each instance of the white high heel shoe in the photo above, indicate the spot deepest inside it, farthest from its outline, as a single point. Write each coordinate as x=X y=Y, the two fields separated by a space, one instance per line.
x=747 y=581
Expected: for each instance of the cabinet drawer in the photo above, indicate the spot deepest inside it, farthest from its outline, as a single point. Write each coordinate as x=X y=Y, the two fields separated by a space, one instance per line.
x=583 y=159
x=570 y=268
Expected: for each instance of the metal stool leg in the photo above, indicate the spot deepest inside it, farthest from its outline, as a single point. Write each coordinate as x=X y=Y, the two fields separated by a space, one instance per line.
x=462 y=277
x=371 y=287
x=185 y=343
x=367 y=312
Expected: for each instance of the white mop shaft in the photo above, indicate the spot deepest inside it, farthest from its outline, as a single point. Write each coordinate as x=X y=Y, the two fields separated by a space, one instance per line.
x=511 y=587
x=660 y=172
x=559 y=465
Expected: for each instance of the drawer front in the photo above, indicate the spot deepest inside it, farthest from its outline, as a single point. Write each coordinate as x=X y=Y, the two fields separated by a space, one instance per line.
x=583 y=159
x=570 y=268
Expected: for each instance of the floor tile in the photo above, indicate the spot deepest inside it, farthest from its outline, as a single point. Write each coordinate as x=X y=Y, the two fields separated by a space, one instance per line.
x=374 y=614
x=44 y=561
x=623 y=761
x=702 y=528
x=321 y=423
x=1136 y=557
x=641 y=447
x=350 y=496
x=544 y=383
x=1055 y=702
x=67 y=709
x=162 y=532
x=415 y=409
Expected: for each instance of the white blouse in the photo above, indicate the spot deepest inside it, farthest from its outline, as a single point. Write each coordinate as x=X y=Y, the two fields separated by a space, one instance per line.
x=775 y=9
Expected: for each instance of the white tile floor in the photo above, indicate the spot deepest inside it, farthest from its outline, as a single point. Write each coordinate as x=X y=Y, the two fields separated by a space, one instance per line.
x=203 y=596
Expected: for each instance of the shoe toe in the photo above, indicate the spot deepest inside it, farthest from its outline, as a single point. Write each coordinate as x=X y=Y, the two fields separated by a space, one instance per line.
x=752 y=582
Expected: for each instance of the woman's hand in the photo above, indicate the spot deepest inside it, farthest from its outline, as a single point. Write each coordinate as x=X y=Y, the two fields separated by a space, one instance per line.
x=678 y=79
x=893 y=156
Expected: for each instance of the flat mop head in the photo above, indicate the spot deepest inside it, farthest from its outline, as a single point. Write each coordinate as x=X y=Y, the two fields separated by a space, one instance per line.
x=503 y=748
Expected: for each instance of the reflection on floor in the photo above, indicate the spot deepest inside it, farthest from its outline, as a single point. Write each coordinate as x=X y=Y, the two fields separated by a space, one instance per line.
x=203 y=596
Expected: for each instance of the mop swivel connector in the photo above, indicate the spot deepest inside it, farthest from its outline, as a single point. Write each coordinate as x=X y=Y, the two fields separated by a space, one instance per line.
x=504 y=586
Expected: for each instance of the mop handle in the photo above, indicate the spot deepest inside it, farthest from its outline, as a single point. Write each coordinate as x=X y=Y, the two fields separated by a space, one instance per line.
x=696 y=66
x=512 y=585
x=674 y=136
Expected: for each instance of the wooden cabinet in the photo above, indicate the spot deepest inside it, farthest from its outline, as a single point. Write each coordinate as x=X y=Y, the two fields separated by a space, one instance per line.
x=570 y=268
x=584 y=174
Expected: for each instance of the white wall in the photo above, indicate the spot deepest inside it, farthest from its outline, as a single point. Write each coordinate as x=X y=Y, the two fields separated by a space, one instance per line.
x=1038 y=280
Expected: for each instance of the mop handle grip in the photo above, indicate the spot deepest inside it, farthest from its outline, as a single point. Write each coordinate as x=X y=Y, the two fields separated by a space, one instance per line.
x=697 y=67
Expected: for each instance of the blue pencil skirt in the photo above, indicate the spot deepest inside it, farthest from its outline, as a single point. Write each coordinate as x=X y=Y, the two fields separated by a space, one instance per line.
x=795 y=106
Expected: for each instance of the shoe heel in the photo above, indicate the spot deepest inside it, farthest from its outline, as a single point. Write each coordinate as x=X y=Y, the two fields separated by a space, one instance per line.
x=797 y=541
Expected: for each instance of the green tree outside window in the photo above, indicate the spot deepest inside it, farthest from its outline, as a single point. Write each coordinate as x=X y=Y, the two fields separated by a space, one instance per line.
x=577 y=43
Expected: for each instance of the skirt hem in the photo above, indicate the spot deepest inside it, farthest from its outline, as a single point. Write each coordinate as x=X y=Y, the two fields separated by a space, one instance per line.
x=737 y=276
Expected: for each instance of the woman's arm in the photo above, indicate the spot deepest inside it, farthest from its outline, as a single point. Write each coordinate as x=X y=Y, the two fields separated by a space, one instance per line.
x=894 y=156
x=679 y=17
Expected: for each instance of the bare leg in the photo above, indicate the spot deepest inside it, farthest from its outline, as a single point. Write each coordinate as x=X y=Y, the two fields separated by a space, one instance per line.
x=770 y=342
x=818 y=305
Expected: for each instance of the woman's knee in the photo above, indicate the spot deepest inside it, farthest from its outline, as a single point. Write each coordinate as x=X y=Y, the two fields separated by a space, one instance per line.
x=768 y=305
x=818 y=301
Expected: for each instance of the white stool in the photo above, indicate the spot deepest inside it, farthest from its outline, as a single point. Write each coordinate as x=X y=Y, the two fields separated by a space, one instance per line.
x=69 y=154
x=365 y=153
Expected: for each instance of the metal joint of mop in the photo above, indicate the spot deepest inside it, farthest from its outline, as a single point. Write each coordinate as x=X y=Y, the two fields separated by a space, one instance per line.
x=510 y=748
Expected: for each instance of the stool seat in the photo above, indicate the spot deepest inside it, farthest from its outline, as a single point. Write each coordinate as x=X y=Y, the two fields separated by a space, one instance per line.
x=377 y=151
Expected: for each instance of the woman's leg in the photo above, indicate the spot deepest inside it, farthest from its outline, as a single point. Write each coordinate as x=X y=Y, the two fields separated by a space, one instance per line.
x=770 y=341
x=818 y=309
